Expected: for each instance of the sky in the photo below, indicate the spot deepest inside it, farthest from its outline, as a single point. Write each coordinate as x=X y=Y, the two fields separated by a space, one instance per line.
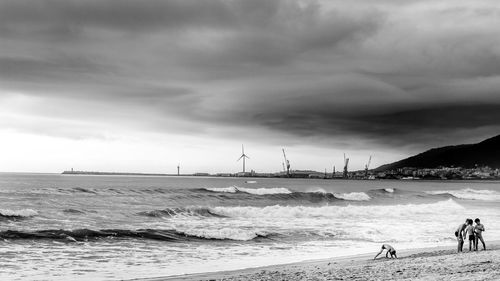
x=142 y=86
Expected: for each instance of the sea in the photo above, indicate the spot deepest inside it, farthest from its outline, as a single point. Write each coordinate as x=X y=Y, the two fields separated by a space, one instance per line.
x=71 y=227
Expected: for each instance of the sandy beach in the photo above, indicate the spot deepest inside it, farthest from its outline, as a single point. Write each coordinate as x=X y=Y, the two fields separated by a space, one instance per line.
x=440 y=263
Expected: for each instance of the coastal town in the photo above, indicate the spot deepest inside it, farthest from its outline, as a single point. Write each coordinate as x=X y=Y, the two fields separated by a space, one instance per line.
x=409 y=173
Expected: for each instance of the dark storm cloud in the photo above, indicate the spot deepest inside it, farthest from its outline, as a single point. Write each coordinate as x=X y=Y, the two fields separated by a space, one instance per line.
x=398 y=126
x=381 y=71
x=125 y=15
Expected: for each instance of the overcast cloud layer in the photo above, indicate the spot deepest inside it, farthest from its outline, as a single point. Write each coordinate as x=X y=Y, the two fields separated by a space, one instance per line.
x=403 y=75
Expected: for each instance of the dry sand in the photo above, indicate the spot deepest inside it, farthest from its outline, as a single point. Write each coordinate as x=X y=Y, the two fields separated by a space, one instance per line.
x=421 y=264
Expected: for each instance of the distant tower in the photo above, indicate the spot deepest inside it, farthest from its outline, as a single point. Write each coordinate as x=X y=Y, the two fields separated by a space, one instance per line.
x=178 y=169
x=243 y=155
x=333 y=174
x=72 y=170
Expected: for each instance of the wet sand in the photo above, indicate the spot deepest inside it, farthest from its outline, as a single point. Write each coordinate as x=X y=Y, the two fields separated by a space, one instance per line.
x=441 y=263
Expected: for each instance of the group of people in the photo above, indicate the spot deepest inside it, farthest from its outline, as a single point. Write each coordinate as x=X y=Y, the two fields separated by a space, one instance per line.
x=471 y=232
x=466 y=231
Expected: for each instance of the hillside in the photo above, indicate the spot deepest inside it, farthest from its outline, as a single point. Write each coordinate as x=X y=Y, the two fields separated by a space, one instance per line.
x=485 y=153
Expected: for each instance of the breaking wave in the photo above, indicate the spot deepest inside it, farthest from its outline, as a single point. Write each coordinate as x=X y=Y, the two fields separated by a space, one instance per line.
x=189 y=211
x=470 y=194
x=255 y=191
x=353 y=196
x=349 y=211
x=73 y=211
x=17 y=214
x=84 y=190
x=284 y=193
x=169 y=235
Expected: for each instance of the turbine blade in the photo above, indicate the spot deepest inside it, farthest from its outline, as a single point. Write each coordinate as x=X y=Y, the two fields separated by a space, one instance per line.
x=240 y=158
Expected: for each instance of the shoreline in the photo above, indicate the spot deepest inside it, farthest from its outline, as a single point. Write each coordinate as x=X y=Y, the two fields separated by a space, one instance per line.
x=435 y=263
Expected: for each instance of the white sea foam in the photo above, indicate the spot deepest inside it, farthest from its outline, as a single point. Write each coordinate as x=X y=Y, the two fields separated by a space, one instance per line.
x=350 y=196
x=255 y=191
x=353 y=196
x=230 y=189
x=223 y=233
x=350 y=211
x=471 y=194
x=264 y=191
x=18 y=213
x=389 y=190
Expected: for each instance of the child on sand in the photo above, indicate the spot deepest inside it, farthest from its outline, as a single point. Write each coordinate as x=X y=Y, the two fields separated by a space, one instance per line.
x=478 y=230
x=390 y=250
x=469 y=233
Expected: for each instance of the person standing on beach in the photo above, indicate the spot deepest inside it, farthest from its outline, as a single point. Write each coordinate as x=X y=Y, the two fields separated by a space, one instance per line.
x=460 y=234
x=390 y=250
x=469 y=233
x=478 y=230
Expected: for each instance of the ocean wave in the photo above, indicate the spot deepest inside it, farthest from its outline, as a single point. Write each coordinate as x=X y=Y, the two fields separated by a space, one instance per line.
x=279 y=194
x=188 y=211
x=318 y=195
x=314 y=195
x=84 y=190
x=470 y=194
x=17 y=214
x=230 y=189
x=169 y=235
x=349 y=211
x=226 y=234
x=265 y=191
x=254 y=191
x=353 y=196
x=73 y=211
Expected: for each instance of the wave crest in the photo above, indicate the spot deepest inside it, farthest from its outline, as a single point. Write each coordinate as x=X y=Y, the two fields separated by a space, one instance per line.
x=188 y=211
x=254 y=191
x=226 y=234
x=349 y=211
x=230 y=189
x=353 y=196
x=470 y=194
x=170 y=235
x=17 y=214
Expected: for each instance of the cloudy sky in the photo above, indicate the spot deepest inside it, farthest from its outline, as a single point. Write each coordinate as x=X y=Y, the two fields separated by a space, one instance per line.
x=126 y=85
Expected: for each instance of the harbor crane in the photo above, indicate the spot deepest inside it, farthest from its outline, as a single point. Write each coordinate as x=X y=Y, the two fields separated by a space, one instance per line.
x=243 y=156
x=346 y=164
x=367 y=166
x=287 y=164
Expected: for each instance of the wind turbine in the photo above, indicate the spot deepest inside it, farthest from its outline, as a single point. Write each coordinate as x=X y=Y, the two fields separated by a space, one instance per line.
x=243 y=156
x=287 y=163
